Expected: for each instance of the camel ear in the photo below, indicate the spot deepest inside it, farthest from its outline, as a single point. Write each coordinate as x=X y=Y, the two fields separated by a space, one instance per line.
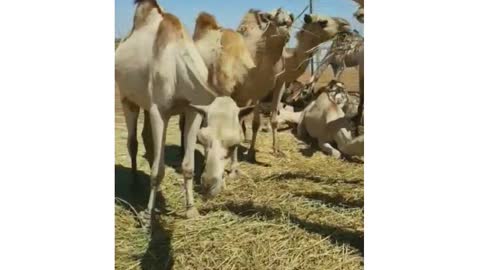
x=245 y=111
x=308 y=18
x=292 y=17
x=201 y=109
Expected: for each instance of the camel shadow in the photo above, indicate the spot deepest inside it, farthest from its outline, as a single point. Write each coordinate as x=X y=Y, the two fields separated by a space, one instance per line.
x=313 y=178
x=130 y=188
x=135 y=191
x=332 y=199
x=159 y=255
x=174 y=158
x=336 y=235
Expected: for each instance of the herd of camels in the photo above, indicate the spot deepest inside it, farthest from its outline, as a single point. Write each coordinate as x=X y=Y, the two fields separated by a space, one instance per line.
x=216 y=77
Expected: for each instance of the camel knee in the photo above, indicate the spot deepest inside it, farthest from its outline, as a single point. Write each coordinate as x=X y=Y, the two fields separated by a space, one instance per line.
x=187 y=169
x=329 y=150
x=274 y=123
x=156 y=178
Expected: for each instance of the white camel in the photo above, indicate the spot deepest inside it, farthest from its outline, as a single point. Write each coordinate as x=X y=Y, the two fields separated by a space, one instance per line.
x=159 y=69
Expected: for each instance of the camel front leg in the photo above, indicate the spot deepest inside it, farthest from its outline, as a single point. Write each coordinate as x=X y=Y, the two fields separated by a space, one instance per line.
x=159 y=126
x=329 y=150
x=192 y=122
x=347 y=145
x=354 y=147
x=251 y=156
x=234 y=170
x=277 y=97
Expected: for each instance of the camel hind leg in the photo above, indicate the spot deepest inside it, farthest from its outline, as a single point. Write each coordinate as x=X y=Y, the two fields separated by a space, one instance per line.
x=277 y=96
x=181 y=123
x=131 y=112
x=147 y=138
x=255 y=126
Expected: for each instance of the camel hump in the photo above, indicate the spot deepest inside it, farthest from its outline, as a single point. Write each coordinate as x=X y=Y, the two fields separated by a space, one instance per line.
x=169 y=30
x=207 y=21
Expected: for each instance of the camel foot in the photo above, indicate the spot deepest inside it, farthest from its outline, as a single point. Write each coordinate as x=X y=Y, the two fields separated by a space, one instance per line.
x=192 y=212
x=252 y=156
x=146 y=219
x=224 y=185
x=336 y=154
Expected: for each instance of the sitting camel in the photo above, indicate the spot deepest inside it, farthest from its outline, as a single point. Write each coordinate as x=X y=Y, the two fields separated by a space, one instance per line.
x=159 y=69
x=324 y=121
x=316 y=30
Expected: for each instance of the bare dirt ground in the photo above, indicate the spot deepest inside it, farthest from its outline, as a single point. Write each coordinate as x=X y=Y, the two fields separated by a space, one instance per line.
x=303 y=211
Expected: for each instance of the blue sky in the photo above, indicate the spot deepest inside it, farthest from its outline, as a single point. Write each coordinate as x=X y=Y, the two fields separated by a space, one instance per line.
x=229 y=13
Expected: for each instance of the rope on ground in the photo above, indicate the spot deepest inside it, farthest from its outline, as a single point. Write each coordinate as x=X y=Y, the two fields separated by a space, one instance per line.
x=132 y=208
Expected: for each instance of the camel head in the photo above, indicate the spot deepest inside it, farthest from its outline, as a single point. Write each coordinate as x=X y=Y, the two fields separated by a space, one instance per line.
x=320 y=28
x=359 y=14
x=336 y=93
x=281 y=18
x=219 y=138
x=277 y=22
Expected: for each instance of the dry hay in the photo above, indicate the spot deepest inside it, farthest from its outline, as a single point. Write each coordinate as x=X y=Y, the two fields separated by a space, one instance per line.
x=305 y=211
